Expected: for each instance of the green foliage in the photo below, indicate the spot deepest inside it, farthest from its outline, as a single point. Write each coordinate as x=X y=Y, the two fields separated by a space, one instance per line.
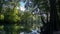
x=15 y=15
x=27 y=29
x=14 y=32
x=12 y=15
x=1 y=16
x=16 y=28
x=14 y=18
x=1 y=27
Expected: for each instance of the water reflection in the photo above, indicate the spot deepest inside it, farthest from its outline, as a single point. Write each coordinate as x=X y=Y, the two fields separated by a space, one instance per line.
x=34 y=31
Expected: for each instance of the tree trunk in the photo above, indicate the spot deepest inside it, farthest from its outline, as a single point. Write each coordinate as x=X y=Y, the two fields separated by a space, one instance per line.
x=59 y=4
x=53 y=16
x=54 y=20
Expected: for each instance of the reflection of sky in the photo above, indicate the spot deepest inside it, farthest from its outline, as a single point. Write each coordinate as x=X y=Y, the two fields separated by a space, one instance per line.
x=22 y=4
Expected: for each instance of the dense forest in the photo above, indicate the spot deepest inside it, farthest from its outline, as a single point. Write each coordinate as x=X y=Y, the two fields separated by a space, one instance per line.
x=24 y=15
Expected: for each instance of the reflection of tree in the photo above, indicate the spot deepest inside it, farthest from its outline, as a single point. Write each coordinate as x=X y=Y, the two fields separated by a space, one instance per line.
x=37 y=15
x=53 y=16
